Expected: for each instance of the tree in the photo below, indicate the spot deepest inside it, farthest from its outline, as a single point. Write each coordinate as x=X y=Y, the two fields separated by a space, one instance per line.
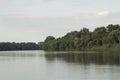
x=84 y=31
x=113 y=27
x=101 y=30
x=5 y=46
x=49 y=38
x=101 y=37
x=114 y=37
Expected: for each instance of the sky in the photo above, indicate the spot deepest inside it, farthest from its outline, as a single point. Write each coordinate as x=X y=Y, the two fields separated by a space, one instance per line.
x=34 y=20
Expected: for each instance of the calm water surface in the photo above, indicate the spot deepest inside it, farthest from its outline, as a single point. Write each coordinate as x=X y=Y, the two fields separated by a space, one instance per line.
x=40 y=65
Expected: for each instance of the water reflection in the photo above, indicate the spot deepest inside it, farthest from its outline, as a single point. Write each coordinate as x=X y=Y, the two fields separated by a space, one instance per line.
x=20 y=55
x=21 y=65
x=86 y=58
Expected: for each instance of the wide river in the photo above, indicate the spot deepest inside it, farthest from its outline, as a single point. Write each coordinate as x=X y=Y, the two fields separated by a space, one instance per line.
x=41 y=65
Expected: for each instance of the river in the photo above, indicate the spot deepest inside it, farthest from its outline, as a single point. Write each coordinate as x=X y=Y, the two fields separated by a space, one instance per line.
x=61 y=65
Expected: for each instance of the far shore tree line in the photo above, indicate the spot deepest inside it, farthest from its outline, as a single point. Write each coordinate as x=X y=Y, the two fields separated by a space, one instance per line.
x=102 y=38
x=7 y=46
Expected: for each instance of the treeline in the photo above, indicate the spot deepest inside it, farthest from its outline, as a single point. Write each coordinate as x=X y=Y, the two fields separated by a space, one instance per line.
x=102 y=38
x=7 y=46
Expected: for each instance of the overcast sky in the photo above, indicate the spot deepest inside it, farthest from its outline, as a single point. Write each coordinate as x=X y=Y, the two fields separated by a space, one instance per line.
x=34 y=20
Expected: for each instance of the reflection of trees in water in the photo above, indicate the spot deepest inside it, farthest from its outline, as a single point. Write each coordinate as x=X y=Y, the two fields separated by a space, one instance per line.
x=87 y=58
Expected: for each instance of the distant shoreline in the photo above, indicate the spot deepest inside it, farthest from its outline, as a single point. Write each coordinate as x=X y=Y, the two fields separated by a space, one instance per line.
x=7 y=46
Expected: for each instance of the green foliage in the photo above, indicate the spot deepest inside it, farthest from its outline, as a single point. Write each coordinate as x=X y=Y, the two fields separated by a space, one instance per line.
x=102 y=38
x=114 y=37
x=113 y=27
x=5 y=46
x=49 y=38
x=100 y=30
x=40 y=44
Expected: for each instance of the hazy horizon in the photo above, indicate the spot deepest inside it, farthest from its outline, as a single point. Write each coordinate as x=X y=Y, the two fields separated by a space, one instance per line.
x=34 y=20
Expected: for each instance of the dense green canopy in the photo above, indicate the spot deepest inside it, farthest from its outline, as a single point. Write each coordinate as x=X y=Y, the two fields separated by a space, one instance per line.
x=5 y=46
x=102 y=38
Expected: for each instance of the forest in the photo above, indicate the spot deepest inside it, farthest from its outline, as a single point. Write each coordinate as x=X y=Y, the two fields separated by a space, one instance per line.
x=7 y=46
x=100 y=39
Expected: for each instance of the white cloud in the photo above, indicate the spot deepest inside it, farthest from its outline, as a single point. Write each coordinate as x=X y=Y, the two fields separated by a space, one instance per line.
x=103 y=13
